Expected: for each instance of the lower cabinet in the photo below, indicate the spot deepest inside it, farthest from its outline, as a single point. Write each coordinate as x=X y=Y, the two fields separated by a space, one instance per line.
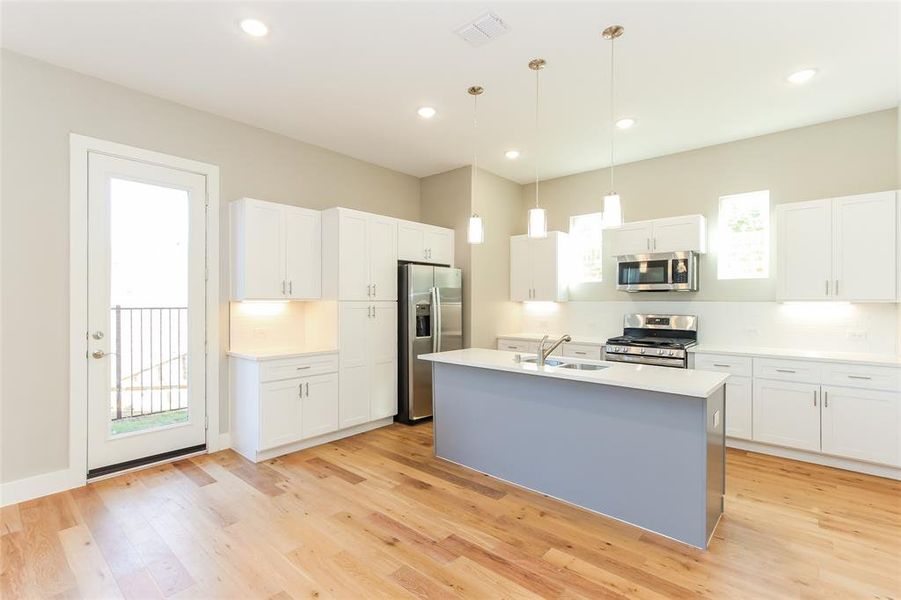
x=787 y=413
x=367 y=343
x=282 y=401
x=862 y=424
x=738 y=407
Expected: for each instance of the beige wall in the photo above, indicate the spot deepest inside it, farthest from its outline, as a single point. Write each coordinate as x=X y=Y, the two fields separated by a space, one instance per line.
x=497 y=201
x=848 y=156
x=445 y=202
x=41 y=105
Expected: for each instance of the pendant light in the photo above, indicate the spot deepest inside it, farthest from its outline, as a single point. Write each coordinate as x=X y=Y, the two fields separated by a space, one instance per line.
x=537 y=216
x=476 y=232
x=613 y=209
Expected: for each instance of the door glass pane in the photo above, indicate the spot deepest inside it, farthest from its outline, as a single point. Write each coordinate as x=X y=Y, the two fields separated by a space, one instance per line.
x=148 y=306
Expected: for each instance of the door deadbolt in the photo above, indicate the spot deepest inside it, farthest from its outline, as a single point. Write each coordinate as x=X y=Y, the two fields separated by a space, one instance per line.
x=97 y=335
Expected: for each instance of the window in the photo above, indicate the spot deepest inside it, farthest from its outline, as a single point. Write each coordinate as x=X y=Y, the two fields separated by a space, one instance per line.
x=744 y=236
x=585 y=236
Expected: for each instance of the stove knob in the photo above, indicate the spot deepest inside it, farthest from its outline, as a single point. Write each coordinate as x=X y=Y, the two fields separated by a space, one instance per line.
x=641 y=351
x=660 y=352
x=672 y=352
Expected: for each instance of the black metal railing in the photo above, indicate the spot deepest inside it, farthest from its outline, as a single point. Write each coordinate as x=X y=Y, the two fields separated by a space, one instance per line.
x=150 y=369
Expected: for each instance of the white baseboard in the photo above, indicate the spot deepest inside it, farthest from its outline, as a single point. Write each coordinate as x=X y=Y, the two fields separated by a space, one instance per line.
x=20 y=490
x=817 y=458
x=221 y=442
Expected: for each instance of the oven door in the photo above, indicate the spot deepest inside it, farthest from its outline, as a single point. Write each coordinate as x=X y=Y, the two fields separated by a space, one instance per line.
x=644 y=274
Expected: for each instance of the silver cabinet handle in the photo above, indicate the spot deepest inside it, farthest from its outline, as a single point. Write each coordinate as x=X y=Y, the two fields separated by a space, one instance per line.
x=827 y=287
x=304 y=367
x=307 y=391
x=654 y=245
x=369 y=291
x=580 y=353
x=826 y=399
x=649 y=243
x=290 y=288
x=300 y=390
x=836 y=287
x=785 y=371
x=374 y=292
x=283 y=287
x=859 y=377
x=814 y=397
x=721 y=365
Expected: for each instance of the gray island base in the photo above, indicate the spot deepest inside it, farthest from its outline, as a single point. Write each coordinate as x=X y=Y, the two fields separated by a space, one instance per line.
x=652 y=459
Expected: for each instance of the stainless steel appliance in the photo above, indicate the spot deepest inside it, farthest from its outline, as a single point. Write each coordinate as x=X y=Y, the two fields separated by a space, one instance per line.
x=662 y=272
x=661 y=340
x=430 y=319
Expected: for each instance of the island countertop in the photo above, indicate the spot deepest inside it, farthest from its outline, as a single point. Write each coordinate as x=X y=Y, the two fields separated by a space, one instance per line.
x=683 y=382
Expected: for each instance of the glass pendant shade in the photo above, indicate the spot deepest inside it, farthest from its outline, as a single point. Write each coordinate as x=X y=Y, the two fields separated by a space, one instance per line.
x=476 y=231
x=537 y=223
x=613 y=211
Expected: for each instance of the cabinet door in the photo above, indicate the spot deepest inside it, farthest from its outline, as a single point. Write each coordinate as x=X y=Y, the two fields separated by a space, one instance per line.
x=863 y=242
x=804 y=251
x=862 y=424
x=631 y=238
x=738 y=407
x=320 y=405
x=787 y=414
x=679 y=234
x=353 y=359
x=263 y=270
x=410 y=241
x=543 y=255
x=353 y=265
x=520 y=269
x=383 y=355
x=280 y=413
x=439 y=245
x=303 y=254
x=382 y=257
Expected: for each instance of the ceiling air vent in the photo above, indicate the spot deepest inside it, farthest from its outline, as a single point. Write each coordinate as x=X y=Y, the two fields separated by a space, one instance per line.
x=483 y=29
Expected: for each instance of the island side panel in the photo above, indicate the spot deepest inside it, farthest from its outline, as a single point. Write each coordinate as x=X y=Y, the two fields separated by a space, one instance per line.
x=716 y=457
x=635 y=455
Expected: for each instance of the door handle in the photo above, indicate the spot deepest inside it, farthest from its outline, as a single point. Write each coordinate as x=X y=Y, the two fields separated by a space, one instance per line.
x=101 y=354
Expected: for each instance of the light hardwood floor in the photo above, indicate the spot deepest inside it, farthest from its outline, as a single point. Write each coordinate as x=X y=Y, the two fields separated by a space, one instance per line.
x=375 y=516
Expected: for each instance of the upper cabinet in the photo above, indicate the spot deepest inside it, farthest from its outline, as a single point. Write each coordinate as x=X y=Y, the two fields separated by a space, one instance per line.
x=418 y=242
x=359 y=256
x=276 y=251
x=538 y=268
x=838 y=249
x=672 y=234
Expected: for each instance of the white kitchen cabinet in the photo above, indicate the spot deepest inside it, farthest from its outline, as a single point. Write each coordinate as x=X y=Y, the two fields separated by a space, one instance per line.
x=862 y=424
x=838 y=249
x=359 y=256
x=367 y=344
x=739 y=410
x=418 y=242
x=539 y=267
x=671 y=234
x=863 y=247
x=279 y=403
x=276 y=251
x=787 y=414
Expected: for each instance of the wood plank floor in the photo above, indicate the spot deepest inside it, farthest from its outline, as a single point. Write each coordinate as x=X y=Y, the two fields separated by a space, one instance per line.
x=375 y=516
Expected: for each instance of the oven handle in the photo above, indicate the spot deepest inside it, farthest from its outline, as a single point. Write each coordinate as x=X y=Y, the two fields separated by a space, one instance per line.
x=678 y=363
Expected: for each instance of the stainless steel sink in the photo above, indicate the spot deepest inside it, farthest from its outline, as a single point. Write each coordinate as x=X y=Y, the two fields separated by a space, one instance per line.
x=583 y=367
x=551 y=362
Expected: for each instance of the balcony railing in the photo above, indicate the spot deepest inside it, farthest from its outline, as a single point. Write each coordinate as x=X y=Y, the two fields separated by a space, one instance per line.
x=150 y=367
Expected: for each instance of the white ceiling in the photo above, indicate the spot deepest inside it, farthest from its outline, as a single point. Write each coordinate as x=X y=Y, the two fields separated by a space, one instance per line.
x=349 y=77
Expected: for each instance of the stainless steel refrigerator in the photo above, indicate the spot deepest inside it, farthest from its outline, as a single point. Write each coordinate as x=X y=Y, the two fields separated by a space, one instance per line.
x=430 y=319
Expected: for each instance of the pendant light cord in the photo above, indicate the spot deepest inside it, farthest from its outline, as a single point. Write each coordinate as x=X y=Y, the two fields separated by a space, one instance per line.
x=537 y=136
x=612 y=112
x=475 y=153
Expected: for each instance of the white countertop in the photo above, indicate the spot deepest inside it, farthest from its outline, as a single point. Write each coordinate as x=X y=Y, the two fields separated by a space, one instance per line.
x=535 y=337
x=275 y=353
x=889 y=360
x=683 y=382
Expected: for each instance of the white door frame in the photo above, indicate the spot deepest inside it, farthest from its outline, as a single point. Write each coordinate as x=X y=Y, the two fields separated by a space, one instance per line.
x=79 y=147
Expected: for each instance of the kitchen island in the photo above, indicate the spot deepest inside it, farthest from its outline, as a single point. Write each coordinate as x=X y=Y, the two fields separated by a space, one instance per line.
x=639 y=443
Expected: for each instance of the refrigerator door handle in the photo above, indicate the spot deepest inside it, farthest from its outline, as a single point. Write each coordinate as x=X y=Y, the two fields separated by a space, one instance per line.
x=436 y=320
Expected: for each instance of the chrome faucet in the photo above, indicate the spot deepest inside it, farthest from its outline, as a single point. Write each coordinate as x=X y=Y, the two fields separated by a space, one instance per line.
x=543 y=354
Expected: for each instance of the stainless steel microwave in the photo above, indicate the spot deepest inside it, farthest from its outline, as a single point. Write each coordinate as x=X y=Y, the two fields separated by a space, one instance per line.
x=663 y=272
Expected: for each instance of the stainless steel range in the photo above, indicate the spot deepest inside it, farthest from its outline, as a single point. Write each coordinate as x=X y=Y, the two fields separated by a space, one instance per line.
x=661 y=340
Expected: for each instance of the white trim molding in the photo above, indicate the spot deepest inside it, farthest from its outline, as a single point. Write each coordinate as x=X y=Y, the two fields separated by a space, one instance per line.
x=20 y=490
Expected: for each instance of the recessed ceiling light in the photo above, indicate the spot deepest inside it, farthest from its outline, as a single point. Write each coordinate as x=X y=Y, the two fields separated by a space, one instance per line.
x=254 y=27
x=426 y=112
x=802 y=76
x=626 y=123
x=512 y=154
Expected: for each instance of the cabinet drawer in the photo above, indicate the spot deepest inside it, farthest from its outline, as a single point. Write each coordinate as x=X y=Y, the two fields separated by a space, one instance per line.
x=788 y=370
x=582 y=351
x=517 y=346
x=740 y=366
x=286 y=368
x=863 y=376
